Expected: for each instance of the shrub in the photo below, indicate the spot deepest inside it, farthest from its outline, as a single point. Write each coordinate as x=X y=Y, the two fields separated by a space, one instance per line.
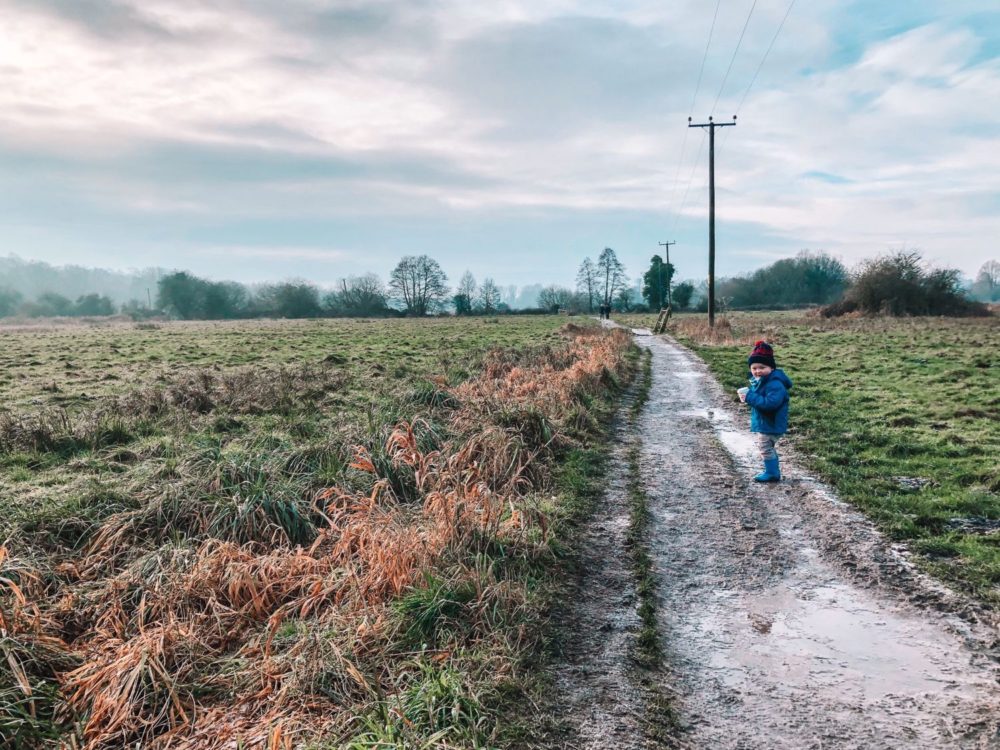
x=899 y=284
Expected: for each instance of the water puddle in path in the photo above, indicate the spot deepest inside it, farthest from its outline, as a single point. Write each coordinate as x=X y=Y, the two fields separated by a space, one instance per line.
x=773 y=643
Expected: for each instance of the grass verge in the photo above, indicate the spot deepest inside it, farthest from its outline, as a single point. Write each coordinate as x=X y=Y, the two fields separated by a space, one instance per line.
x=648 y=651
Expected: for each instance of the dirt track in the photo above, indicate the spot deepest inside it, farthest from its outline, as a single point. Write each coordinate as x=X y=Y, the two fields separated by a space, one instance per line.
x=787 y=621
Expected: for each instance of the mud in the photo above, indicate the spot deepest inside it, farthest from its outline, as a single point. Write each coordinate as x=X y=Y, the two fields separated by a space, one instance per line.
x=787 y=620
x=601 y=702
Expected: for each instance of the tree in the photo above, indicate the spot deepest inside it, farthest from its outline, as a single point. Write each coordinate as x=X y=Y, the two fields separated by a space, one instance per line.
x=290 y=299
x=586 y=282
x=465 y=294
x=489 y=296
x=610 y=275
x=898 y=284
x=682 y=295
x=807 y=279
x=224 y=300
x=986 y=287
x=51 y=304
x=9 y=301
x=555 y=298
x=625 y=300
x=358 y=297
x=94 y=304
x=419 y=284
x=656 y=282
x=181 y=295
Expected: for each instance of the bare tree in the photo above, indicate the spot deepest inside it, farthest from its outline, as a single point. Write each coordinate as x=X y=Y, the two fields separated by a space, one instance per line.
x=419 y=284
x=358 y=296
x=554 y=297
x=610 y=275
x=586 y=282
x=987 y=284
x=467 y=285
x=489 y=296
x=465 y=294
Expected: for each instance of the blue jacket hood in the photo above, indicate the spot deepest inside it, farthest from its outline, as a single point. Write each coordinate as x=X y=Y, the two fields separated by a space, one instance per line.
x=779 y=374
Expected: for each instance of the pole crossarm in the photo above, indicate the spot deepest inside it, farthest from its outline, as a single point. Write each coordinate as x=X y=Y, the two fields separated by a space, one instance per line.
x=711 y=125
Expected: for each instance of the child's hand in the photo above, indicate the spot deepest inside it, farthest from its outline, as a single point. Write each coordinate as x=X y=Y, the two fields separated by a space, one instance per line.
x=742 y=393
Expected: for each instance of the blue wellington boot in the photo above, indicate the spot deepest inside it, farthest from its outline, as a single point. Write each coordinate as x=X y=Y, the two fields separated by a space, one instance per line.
x=771 y=473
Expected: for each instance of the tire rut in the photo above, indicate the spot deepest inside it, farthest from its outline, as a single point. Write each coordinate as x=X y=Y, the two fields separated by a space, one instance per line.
x=600 y=701
x=788 y=621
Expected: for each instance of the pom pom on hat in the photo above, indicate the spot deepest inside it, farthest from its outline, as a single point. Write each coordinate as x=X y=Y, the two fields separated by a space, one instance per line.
x=763 y=354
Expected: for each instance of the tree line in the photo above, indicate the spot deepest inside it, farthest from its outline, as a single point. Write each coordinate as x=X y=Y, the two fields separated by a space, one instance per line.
x=418 y=286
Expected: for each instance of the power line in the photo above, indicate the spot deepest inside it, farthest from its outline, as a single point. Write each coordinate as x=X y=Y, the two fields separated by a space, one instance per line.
x=683 y=202
x=760 y=65
x=697 y=89
x=704 y=57
x=733 y=58
x=764 y=58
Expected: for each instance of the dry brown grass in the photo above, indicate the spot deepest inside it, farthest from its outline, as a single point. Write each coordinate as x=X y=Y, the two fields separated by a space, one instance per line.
x=258 y=642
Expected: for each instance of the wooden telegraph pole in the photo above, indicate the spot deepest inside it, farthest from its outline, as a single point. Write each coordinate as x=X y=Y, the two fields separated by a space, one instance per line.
x=711 y=208
x=664 y=316
x=667 y=246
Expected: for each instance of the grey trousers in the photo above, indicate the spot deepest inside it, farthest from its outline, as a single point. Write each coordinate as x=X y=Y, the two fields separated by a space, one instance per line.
x=765 y=444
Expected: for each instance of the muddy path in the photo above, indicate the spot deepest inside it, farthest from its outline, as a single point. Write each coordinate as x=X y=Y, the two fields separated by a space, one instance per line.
x=602 y=700
x=787 y=621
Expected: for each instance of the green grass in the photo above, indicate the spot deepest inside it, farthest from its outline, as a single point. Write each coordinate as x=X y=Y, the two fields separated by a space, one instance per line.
x=71 y=365
x=902 y=416
x=126 y=406
x=226 y=431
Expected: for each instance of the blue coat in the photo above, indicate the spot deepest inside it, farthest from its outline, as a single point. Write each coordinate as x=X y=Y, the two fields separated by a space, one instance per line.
x=768 y=399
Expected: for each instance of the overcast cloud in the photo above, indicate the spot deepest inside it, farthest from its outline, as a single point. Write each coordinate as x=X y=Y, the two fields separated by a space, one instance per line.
x=257 y=140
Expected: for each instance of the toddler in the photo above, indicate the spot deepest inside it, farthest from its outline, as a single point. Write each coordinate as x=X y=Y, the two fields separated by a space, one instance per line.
x=768 y=400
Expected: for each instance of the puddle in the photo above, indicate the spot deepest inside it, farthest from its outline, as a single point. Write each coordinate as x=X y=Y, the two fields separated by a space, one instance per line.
x=833 y=641
x=772 y=644
x=740 y=444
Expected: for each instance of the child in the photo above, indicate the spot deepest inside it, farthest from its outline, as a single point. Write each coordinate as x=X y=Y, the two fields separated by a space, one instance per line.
x=768 y=399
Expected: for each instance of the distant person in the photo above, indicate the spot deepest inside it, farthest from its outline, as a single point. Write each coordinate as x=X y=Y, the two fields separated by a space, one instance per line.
x=767 y=396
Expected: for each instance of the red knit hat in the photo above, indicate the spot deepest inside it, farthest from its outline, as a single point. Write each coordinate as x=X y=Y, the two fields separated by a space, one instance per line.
x=762 y=353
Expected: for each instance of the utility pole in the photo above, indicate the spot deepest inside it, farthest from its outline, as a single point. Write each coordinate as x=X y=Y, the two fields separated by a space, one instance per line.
x=667 y=246
x=711 y=208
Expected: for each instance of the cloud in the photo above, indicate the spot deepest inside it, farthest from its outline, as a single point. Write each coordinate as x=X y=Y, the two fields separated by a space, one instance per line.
x=238 y=252
x=193 y=120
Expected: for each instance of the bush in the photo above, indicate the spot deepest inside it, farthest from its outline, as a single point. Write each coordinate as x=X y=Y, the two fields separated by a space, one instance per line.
x=682 y=294
x=898 y=284
x=807 y=279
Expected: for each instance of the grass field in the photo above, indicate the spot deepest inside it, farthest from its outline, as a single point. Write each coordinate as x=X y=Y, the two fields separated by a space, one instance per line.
x=330 y=532
x=901 y=415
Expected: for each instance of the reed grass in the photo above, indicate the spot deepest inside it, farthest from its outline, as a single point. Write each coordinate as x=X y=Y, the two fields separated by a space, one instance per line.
x=373 y=587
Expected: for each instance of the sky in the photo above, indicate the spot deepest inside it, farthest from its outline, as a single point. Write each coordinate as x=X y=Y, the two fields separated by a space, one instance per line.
x=260 y=140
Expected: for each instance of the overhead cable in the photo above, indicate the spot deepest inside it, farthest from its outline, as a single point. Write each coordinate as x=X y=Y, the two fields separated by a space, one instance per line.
x=733 y=58
x=759 y=66
x=764 y=58
x=697 y=89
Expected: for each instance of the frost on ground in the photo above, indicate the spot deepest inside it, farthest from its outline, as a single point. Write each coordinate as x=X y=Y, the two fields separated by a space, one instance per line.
x=787 y=621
